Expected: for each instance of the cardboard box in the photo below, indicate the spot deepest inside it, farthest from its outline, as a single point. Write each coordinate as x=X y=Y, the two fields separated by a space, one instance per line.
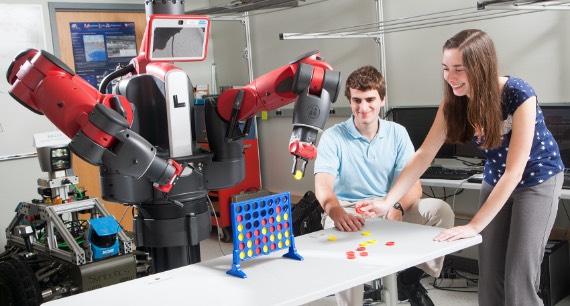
x=201 y=90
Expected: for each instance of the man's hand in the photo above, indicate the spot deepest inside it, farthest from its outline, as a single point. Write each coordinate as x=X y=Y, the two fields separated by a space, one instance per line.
x=394 y=214
x=455 y=233
x=344 y=221
x=373 y=208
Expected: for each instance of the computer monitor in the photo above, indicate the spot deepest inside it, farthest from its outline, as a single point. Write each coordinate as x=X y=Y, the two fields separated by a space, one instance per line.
x=557 y=119
x=177 y=38
x=418 y=121
x=469 y=150
x=60 y=158
x=54 y=158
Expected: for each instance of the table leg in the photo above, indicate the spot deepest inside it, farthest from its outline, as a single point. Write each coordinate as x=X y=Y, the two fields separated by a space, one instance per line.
x=390 y=292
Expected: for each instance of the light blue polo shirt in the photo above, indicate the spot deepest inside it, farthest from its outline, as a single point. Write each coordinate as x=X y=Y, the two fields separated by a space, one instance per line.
x=363 y=169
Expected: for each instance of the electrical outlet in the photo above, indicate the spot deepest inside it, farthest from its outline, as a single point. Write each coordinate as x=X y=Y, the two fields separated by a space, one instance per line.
x=448 y=273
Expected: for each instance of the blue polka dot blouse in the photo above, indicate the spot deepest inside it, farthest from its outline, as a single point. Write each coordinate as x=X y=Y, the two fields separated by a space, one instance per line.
x=544 y=160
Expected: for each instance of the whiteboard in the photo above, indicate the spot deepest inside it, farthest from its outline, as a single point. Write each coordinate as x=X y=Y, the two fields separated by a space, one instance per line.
x=22 y=28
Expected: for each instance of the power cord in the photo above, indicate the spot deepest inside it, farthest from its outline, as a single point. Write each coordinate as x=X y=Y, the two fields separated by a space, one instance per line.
x=469 y=163
x=445 y=195
x=448 y=272
x=217 y=224
x=449 y=288
x=122 y=216
x=455 y=193
x=473 y=280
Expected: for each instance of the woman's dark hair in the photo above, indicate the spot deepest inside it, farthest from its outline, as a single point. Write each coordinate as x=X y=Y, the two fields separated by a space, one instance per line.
x=482 y=110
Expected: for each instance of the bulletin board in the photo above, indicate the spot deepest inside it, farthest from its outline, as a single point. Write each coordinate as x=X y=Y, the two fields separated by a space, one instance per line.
x=62 y=17
x=22 y=28
x=99 y=47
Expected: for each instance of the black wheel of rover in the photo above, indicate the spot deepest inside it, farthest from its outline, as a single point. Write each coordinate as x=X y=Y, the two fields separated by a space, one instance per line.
x=18 y=284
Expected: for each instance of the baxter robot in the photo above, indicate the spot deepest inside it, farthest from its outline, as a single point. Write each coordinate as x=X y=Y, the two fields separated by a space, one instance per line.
x=142 y=134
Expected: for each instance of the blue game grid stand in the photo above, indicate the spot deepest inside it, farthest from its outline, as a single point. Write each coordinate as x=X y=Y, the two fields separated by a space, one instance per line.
x=261 y=226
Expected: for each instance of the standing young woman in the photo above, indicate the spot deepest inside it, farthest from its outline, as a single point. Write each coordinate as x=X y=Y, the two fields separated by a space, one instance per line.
x=523 y=170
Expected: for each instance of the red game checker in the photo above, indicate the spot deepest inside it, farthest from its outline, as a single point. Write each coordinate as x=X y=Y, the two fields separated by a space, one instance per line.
x=358 y=210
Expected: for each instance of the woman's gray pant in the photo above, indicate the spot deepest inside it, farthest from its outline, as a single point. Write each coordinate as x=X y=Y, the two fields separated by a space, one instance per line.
x=513 y=244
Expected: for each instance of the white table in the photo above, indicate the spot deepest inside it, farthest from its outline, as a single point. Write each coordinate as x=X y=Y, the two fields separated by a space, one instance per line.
x=275 y=280
x=463 y=184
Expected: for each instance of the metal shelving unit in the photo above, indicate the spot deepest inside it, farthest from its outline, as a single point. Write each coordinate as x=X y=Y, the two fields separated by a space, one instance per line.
x=485 y=10
x=536 y=5
x=373 y=31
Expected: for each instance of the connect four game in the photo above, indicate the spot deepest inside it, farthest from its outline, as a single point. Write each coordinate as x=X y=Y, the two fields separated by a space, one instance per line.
x=259 y=227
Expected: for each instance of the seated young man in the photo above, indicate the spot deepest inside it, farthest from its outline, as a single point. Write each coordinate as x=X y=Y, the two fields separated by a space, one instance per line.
x=360 y=159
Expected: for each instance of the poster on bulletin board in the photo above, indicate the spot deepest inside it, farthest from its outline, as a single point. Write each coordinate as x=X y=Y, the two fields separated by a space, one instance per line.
x=22 y=28
x=99 y=47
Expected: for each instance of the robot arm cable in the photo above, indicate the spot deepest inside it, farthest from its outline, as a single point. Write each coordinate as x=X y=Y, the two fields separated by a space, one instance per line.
x=115 y=74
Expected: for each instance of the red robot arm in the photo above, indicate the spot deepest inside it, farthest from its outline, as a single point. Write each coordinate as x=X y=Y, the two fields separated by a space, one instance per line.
x=309 y=81
x=98 y=124
x=275 y=89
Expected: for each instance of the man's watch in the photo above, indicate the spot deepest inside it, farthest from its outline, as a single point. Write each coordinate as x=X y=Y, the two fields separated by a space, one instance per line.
x=399 y=207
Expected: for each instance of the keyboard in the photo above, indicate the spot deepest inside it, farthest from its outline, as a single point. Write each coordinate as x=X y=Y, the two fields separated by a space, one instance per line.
x=438 y=172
